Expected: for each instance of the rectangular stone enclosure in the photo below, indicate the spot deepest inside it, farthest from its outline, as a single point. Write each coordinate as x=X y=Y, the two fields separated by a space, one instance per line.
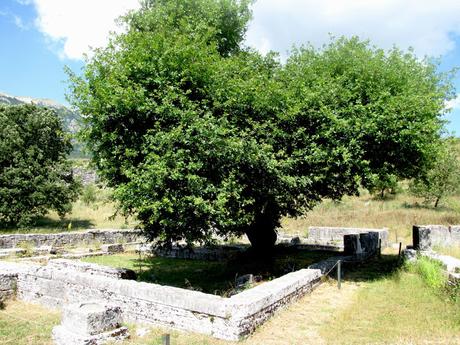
x=227 y=318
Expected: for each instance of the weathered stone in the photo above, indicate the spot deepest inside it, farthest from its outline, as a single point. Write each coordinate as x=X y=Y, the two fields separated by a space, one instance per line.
x=117 y=273
x=201 y=253
x=410 y=254
x=244 y=280
x=336 y=234
x=226 y=318
x=91 y=318
x=112 y=248
x=295 y=240
x=76 y=238
x=425 y=237
x=64 y=336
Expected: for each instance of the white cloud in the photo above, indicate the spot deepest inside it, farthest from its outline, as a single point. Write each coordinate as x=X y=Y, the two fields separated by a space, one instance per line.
x=76 y=25
x=428 y=26
x=454 y=103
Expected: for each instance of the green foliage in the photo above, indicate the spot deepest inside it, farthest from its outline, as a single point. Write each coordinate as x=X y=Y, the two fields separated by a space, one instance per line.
x=378 y=185
x=442 y=180
x=431 y=271
x=199 y=136
x=89 y=194
x=35 y=175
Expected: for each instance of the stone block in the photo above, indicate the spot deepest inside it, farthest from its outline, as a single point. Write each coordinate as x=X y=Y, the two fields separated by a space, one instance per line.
x=63 y=336
x=91 y=318
x=352 y=244
x=112 y=248
x=410 y=254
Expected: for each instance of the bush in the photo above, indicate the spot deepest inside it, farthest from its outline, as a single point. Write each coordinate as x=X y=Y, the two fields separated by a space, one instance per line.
x=431 y=271
x=35 y=175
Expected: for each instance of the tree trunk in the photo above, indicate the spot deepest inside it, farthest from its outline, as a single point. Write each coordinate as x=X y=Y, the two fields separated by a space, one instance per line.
x=261 y=233
x=262 y=239
x=436 y=202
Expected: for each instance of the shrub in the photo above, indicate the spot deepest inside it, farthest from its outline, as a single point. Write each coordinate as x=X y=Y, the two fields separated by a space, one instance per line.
x=35 y=175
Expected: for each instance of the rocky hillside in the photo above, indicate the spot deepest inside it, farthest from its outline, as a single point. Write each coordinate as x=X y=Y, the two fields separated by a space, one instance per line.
x=70 y=118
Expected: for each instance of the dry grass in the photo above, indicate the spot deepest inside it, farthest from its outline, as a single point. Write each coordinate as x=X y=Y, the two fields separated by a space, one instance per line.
x=26 y=324
x=98 y=215
x=398 y=214
x=451 y=251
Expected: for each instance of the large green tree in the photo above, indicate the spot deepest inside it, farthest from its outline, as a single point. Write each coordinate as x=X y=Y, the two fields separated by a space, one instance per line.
x=200 y=136
x=35 y=175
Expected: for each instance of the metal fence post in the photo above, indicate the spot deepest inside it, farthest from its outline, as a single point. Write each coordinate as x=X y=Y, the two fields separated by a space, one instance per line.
x=339 y=274
x=166 y=339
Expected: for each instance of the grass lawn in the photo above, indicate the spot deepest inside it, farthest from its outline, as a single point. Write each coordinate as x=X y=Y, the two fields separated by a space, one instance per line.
x=379 y=303
x=217 y=277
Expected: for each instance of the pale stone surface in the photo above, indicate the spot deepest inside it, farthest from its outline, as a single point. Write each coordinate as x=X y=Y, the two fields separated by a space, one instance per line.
x=410 y=254
x=63 y=336
x=322 y=234
x=91 y=318
x=425 y=237
x=112 y=248
x=225 y=318
x=8 y=282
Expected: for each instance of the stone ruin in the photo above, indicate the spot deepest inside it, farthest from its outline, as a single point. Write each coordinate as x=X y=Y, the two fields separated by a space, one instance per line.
x=114 y=295
x=89 y=323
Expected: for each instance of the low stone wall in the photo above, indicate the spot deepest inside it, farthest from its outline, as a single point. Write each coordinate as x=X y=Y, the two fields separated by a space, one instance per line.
x=8 y=282
x=225 y=318
x=329 y=238
x=331 y=234
x=364 y=245
x=425 y=237
x=200 y=253
x=87 y=237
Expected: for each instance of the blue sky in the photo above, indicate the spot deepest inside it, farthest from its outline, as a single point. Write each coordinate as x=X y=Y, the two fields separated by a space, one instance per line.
x=39 y=37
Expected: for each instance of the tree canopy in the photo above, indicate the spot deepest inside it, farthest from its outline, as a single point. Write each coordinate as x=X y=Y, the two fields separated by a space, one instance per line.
x=201 y=136
x=35 y=175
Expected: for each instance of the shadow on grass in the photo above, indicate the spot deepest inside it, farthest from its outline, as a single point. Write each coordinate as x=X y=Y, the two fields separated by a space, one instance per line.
x=374 y=269
x=424 y=206
x=218 y=277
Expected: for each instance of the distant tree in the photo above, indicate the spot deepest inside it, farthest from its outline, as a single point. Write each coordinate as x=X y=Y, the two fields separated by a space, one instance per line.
x=440 y=181
x=200 y=136
x=35 y=175
x=382 y=184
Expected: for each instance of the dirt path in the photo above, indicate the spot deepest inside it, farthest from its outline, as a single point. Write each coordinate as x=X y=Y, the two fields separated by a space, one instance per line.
x=300 y=323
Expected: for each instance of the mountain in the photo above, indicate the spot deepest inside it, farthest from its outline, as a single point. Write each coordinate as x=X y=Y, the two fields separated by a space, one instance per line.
x=71 y=119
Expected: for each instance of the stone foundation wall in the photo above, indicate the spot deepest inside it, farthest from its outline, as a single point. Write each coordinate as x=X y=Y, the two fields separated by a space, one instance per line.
x=87 y=237
x=331 y=234
x=225 y=318
x=425 y=237
x=8 y=283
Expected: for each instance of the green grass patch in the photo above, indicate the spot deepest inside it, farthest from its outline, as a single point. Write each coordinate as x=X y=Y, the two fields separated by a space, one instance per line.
x=217 y=277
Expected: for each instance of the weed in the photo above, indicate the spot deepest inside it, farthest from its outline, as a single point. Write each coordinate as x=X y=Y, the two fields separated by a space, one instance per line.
x=27 y=247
